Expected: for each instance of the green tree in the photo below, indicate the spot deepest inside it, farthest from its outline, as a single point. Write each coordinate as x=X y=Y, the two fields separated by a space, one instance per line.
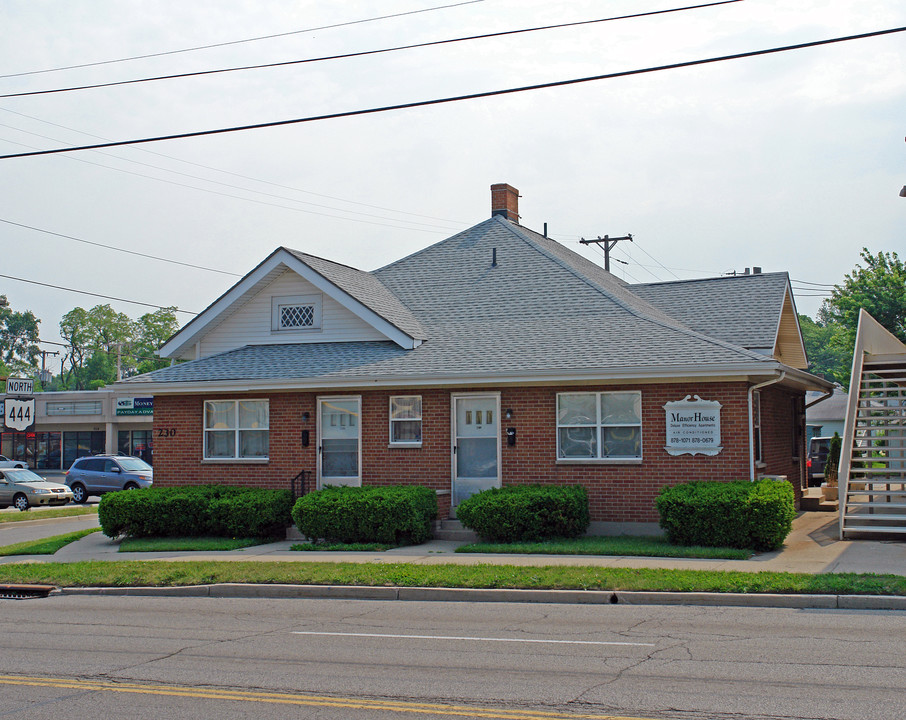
x=879 y=287
x=19 y=351
x=149 y=333
x=826 y=345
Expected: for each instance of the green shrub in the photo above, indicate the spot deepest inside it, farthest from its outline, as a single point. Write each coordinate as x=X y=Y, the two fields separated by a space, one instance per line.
x=194 y=510
x=393 y=514
x=523 y=513
x=740 y=514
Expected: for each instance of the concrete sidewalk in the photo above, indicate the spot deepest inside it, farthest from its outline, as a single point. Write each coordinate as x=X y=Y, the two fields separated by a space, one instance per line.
x=812 y=547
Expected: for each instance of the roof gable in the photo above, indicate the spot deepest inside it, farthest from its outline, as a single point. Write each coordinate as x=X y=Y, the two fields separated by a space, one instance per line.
x=357 y=292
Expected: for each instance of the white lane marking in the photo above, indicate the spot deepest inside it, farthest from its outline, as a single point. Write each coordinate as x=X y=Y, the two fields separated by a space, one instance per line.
x=481 y=639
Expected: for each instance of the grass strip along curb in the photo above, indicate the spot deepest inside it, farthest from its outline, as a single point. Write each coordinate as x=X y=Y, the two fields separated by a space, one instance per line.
x=45 y=546
x=46 y=514
x=171 y=574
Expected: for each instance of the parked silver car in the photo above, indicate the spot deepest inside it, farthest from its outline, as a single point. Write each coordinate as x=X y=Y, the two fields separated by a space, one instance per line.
x=23 y=489
x=99 y=474
x=5 y=462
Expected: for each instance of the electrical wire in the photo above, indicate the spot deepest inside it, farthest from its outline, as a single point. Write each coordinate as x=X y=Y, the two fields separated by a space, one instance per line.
x=118 y=249
x=105 y=297
x=635 y=242
x=459 y=98
x=806 y=282
x=362 y=53
x=251 y=200
x=457 y=223
x=239 y=42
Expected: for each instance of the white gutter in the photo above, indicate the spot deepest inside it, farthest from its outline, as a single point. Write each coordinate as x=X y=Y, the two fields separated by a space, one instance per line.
x=751 y=421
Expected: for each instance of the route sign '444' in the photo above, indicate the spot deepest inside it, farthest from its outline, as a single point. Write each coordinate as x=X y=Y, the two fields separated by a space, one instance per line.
x=19 y=414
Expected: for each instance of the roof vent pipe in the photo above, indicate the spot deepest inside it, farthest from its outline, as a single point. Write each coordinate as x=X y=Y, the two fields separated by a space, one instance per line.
x=494 y=257
x=756 y=270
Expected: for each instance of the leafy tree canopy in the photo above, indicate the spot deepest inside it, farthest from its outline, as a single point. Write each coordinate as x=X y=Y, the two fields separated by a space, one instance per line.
x=19 y=351
x=879 y=287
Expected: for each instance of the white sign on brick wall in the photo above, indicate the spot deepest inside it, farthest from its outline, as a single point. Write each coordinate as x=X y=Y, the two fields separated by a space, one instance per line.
x=693 y=426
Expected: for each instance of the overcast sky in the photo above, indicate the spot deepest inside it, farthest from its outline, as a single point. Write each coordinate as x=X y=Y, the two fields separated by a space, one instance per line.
x=790 y=161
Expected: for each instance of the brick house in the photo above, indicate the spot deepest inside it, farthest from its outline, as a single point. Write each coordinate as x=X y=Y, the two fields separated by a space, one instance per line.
x=496 y=356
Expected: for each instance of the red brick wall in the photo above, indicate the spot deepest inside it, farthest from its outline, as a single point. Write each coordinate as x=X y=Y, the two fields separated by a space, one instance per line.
x=617 y=492
x=778 y=419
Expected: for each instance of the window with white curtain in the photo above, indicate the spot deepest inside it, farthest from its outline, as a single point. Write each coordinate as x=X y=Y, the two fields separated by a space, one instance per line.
x=406 y=420
x=599 y=425
x=236 y=429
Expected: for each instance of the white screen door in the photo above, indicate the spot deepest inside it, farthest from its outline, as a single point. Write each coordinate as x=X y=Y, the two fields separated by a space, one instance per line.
x=340 y=441
x=476 y=445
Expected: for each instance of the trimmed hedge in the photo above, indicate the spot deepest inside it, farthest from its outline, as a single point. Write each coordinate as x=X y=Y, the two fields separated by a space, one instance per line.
x=195 y=510
x=390 y=514
x=740 y=514
x=523 y=513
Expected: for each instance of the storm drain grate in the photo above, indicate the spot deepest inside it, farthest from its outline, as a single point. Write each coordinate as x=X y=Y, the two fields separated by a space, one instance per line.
x=20 y=592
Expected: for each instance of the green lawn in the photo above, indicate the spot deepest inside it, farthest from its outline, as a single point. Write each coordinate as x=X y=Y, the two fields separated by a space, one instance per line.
x=647 y=546
x=45 y=546
x=47 y=514
x=167 y=574
x=180 y=544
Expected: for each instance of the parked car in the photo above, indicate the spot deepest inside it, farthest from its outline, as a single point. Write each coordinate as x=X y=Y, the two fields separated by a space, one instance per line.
x=5 y=462
x=818 y=448
x=99 y=474
x=23 y=488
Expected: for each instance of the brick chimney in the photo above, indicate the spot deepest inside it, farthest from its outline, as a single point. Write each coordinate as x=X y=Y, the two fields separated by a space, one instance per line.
x=505 y=201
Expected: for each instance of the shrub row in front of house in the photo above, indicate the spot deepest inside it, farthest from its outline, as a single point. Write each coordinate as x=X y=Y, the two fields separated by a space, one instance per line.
x=196 y=510
x=394 y=515
x=739 y=514
x=525 y=513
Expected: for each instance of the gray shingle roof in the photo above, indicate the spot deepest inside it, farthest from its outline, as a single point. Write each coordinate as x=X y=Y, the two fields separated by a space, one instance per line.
x=541 y=309
x=368 y=290
x=744 y=310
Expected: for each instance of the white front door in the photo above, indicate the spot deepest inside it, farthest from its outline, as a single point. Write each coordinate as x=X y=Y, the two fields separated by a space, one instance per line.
x=476 y=445
x=340 y=441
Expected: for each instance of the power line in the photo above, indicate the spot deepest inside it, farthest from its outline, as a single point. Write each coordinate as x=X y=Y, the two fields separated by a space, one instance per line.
x=118 y=249
x=238 y=42
x=656 y=260
x=806 y=282
x=105 y=297
x=247 y=199
x=362 y=53
x=458 y=98
x=225 y=172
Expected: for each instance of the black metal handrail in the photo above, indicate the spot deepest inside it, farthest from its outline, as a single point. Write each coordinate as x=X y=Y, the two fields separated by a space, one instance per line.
x=300 y=478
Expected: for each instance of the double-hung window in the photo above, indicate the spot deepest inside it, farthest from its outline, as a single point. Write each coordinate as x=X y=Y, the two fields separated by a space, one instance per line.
x=236 y=429
x=406 y=420
x=599 y=425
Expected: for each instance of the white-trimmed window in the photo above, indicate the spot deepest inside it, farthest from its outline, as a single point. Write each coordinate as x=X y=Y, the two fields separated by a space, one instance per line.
x=236 y=429
x=406 y=420
x=296 y=313
x=599 y=426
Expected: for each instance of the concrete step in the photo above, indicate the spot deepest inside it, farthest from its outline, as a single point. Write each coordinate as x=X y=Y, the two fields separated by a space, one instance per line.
x=452 y=529
x=813 y=501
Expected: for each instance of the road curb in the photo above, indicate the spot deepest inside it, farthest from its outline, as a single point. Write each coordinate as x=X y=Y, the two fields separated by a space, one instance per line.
x=583 y=597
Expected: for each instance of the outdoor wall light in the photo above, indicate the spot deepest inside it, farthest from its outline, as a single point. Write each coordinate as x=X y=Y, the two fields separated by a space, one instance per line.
x=509 y=414
x=305 y=417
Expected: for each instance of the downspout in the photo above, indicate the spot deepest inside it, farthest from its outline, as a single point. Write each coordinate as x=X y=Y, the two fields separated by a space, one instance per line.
x=751 y=423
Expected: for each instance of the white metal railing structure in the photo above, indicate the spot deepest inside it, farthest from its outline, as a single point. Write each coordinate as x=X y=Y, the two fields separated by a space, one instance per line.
x=872 y=473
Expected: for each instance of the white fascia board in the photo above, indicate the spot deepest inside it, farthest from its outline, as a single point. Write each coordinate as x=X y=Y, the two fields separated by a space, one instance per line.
x=196 y=328
x=677 y=374
x=356 y=307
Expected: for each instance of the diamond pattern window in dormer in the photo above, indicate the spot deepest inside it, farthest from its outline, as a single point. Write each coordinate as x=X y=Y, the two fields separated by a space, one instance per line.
x=296 y=313
x=297 y=316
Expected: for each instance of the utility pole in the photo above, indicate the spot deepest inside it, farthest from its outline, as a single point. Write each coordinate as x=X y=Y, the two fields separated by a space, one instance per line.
x=44 y=354
x=608 y=243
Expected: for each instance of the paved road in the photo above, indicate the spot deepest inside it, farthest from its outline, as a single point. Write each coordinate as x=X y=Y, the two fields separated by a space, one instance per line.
x=99 y=657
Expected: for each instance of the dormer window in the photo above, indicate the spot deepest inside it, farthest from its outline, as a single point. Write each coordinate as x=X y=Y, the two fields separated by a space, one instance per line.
x=296 y=313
